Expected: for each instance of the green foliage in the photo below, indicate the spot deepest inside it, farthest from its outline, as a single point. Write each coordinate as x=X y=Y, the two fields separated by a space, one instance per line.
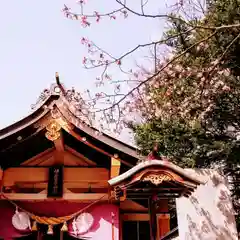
x=198 y=97
x=184 y=145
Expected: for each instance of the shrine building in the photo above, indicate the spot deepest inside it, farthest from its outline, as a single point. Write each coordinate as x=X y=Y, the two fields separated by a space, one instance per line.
x=63 y=179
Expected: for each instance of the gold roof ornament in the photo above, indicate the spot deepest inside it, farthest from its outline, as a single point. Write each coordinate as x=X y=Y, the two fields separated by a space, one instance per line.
x=157 y=179
x=53 y=130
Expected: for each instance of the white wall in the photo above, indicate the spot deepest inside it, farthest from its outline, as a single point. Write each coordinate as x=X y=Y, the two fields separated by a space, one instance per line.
x=208 y=213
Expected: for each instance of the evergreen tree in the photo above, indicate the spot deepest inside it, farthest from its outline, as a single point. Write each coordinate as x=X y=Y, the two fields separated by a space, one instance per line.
x=192 y=108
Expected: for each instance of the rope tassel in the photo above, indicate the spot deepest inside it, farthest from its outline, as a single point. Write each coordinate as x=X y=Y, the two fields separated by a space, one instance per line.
x=50 y=230
x=64 y=227
x=34 y=226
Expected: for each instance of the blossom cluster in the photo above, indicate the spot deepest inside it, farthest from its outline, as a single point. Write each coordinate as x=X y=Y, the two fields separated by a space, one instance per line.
x=180 y=91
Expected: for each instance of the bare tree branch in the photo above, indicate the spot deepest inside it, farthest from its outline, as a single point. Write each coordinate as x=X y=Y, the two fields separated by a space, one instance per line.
x=96 y=14
x=135 y=48
x=158 y=72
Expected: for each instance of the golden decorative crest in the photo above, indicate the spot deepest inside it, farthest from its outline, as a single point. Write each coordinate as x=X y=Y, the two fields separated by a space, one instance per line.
x=157 y=179
x=53 y=130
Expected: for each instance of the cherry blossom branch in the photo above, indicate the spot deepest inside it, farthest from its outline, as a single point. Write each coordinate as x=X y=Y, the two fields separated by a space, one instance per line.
x=158 y=72
x=106 y=59
x=68 y=13
x=125 y=9
x=119 y=59
x=126 y=81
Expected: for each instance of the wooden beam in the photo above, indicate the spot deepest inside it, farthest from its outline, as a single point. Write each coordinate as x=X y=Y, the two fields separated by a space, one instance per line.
x=135 y=217
x=115 y=166
x=72 y=176
x=47 y=158
x=80 y=156
x=66 y=196
x=1 y=179
x=162 y=206
x=88 y=143
x=59 y=153
x=38 y=159
x=72 y=160
x=12 y=175
x=131 y=206
x=58 y=143
x=85 y=175
x=163 y=225
x=74 y=185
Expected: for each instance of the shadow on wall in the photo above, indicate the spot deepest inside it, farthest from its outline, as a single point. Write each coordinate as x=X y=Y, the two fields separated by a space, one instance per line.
x=208 y=214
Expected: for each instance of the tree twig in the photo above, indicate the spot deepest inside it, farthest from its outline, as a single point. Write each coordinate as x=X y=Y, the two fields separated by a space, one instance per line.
x=154 y=75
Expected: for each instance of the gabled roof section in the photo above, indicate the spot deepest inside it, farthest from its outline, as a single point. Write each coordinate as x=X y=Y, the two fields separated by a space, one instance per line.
x=66 y=105
x=155 y=176
x=157 y=165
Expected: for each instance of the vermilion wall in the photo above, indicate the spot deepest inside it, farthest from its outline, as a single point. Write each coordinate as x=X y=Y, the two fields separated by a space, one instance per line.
x=102 y=213
x=102 y=227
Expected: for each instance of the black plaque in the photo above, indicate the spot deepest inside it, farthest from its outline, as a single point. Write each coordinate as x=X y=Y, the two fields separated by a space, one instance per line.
x=55 y=182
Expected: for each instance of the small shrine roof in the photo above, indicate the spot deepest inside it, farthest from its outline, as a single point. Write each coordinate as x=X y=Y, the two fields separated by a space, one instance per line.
x=155 y=177
x=155 y=164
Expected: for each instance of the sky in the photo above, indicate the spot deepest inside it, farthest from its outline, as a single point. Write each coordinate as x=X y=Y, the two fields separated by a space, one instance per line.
x=37 y=41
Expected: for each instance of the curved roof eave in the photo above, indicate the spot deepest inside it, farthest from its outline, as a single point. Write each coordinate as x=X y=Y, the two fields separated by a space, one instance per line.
x=112 y=142
x=50 y=98
x=47 y=97
x=154 y=163
x=25 y=122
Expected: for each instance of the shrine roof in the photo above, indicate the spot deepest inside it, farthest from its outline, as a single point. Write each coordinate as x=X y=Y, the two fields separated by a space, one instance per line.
x=155 y=164
x=29 y=134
